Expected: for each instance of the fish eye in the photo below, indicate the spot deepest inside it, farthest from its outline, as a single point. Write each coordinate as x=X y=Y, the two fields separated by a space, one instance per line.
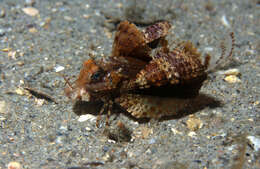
x=97 y=76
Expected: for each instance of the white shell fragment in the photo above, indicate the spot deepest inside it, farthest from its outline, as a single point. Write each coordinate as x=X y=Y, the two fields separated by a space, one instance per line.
x=58 y=68
x=87 y=117
x=255 y=142
x=30 y=11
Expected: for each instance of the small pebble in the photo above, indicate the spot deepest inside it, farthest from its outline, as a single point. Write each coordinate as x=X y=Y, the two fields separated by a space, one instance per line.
x=59 y=3
x=63 y=9
x=194 y=123
x=148 y=151
x=111 y=141
x=12 y=55
x=225 y=21
x=2 y=12
x=20 y=91
x=105 y=148
x=65 y=128
x=3 y=107
x=234 y=72
x=46 y=23
x=33 y=30
x=21 y=82
x=6 y=49
x=250 y=119
x=143 y=132
x=2 y=118
x=39 y=102
x=14 y=165
x=87 y=117
x=107 y=157
x=58 y=68
x=59 y=140
x=255 y=142
x=85 y=16
x=2 y=32
x=20 y=63
x=108 y=33
x=175 y=131
x=192 y=134
x=232 y=147
x=232 y=79
x=208 y=49
x=53 y=10
x=249 y=52
x=30 y=2
x=88 y=129
x=68 y=18
x=152 y=141
x=30 y=11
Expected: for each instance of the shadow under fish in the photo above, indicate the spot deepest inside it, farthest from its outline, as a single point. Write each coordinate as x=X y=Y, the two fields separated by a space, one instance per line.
x=142 y=106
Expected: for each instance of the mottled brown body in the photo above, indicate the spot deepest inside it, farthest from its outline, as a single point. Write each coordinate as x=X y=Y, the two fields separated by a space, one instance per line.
x=180 y=66
x=145 y=85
